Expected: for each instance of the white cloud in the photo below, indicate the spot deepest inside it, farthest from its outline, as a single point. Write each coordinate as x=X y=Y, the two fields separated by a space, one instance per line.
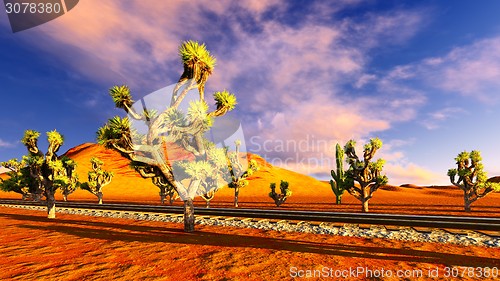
x=471 y=70
x=413 y=174
x=435 y=119
x=6 y=144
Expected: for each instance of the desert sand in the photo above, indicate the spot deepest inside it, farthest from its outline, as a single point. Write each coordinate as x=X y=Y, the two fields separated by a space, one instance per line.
x=76 y=247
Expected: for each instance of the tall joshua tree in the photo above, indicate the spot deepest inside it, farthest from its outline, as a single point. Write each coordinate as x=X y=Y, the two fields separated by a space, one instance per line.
x=340 y=181
x=97 y=179
x=470 y=178
x=238 y=174
x=50 y=171
x=365 y=172
x=207 y=164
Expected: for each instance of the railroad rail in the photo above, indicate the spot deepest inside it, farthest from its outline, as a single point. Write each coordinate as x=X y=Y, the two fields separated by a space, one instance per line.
x=424 y=221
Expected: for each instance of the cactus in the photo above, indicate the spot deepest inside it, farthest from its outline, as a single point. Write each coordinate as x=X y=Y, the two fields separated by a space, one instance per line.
x=340 y=181
x=471 y=178
x=280 y=198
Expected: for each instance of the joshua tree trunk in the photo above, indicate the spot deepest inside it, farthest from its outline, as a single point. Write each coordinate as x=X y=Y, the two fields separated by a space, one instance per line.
x=163 y=195
x=236 y=193
x=171 y=199
x=65 y=197
x=51 y=204
x=99 y=198
x=364 y=206
x=339 y=199
x=467 y=201
x=188 y=215
x=37 y=197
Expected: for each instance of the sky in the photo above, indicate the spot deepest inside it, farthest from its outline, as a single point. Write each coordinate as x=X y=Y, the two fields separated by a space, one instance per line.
x=423 y=76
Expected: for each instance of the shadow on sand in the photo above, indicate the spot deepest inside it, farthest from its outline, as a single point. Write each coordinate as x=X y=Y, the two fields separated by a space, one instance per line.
x=151 y=234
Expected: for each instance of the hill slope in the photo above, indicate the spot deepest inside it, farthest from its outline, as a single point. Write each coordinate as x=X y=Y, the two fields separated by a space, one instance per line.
x=128 y=184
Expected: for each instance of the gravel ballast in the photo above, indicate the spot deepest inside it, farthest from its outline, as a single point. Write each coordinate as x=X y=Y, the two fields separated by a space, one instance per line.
x=351 y=230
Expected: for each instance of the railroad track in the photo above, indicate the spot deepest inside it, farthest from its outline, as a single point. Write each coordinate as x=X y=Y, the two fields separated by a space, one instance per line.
x=414 y=221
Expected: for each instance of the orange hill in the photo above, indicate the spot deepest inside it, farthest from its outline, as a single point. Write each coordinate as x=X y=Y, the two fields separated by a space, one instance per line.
x=128 y=184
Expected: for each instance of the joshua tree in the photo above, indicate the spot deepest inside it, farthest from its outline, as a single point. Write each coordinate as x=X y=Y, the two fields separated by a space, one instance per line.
x=236 y=168
x=281 y=197
x=208 y=197
x=365 y=172
x=471 y=178
x=195 y=173
x=19 y=180
x=340 y=181
x=97 y=178
x=158 y=179
x=70 y=187
x=166 y=189
x=50 y=171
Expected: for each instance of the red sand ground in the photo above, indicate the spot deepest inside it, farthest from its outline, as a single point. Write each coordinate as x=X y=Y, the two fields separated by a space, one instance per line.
x=76 y=247
x=86 y=248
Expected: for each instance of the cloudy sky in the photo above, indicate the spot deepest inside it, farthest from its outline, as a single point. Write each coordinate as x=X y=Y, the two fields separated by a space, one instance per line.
x=423 y=76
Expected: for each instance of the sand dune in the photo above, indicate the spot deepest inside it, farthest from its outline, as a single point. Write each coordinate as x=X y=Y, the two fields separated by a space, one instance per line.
x=127 y=183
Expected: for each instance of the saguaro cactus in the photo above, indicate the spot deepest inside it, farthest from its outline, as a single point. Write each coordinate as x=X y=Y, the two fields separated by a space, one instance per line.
x=280 y=198
x=472 y=180
x=340 y=180
x=97 y=179
x=365 y=172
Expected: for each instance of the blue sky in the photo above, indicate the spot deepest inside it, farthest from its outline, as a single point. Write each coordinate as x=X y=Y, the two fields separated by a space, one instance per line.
x=424 y=76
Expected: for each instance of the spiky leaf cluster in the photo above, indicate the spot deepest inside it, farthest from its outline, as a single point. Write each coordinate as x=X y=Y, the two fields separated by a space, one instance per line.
x=116 y=133
x=193 y=51
x=225 y=99
x=470 y=172
x=121 y=96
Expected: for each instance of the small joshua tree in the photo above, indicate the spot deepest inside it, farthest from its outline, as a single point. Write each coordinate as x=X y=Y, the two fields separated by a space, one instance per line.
x=70 y=187
x=280 y=198
x=471 y=178
x=19 y=180
x=48 y=170
x=365 y=172
x=97 y=179
x=340 y=181
x=236 y=168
